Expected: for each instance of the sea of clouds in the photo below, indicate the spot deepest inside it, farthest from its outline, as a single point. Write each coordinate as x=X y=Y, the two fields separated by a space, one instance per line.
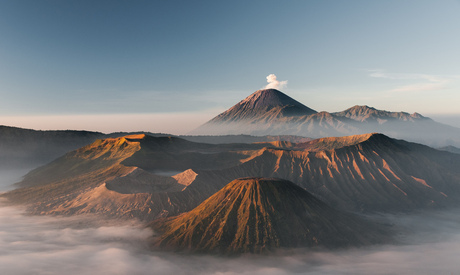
x=429 y=244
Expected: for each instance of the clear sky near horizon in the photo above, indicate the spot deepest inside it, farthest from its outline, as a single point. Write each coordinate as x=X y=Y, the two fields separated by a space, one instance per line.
x=169 y=66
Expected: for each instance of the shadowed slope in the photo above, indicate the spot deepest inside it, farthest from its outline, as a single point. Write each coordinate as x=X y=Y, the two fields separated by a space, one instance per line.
x=259 y=214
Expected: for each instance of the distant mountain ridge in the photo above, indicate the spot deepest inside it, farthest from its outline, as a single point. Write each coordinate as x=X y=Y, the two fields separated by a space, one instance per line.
x=451 y=149
x=26 y=147
x=270 y=112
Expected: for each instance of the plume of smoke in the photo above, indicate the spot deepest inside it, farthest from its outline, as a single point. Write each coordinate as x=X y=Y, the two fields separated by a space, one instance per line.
x=274 y=83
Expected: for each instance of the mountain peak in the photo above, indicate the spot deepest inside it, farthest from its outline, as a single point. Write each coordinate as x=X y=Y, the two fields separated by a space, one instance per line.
x=267 y=98
x=260 y=214
x=418 y=116
x=262 y=105
x=360 y=109
x=364 y=113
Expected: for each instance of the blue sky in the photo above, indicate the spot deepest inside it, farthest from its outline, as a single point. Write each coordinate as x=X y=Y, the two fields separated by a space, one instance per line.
x=168 y=66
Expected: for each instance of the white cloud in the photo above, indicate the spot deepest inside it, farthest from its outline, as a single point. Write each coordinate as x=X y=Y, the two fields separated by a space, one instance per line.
x=423 y=82
x=274 y=83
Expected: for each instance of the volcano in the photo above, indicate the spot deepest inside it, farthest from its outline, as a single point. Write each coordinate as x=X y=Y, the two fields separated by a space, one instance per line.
x=256 y=215
x=256 y=114
x=271 y=112
x=263 y=104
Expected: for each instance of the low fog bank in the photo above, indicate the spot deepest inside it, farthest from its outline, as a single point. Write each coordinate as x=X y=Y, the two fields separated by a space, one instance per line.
x=429 y=244
x=83 y=245
x=60 y=245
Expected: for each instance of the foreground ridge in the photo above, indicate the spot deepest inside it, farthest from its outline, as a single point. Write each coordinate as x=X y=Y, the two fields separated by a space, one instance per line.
x=257 y=215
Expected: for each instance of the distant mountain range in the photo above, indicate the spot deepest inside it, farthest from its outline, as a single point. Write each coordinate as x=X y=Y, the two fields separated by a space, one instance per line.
x=270 y=112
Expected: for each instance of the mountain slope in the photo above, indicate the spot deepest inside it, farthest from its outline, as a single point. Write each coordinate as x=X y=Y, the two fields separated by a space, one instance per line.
x=24 y=147
x=260 y=114
x=150 y=177
x=260 y=103
x=257 y=215
x=256 y=114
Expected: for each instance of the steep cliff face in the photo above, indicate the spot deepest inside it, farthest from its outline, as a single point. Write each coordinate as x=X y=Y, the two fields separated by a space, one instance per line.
x=260 y=214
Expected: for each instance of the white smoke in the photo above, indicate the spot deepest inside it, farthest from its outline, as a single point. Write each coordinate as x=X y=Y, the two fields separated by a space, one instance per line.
x=274 y=83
